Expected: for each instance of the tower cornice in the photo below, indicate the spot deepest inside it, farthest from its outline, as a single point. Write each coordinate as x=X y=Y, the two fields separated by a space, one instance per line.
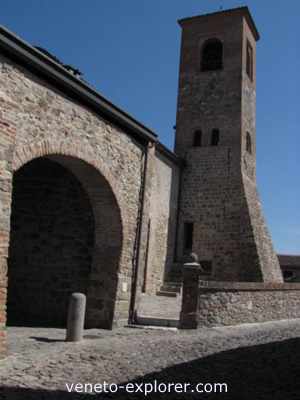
x=242 y=11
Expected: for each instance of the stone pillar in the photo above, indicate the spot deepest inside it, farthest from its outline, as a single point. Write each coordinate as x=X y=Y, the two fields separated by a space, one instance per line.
x=189 y=307
x=76 y=317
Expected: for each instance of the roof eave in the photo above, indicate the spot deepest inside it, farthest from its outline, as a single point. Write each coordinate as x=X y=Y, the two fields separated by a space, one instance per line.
x=33 y=59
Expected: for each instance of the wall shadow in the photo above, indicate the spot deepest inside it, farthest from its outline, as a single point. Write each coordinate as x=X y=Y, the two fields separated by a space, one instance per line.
x=269 y=371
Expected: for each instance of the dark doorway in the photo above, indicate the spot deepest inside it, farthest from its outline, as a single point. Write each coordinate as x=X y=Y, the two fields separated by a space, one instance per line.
x=51 y=243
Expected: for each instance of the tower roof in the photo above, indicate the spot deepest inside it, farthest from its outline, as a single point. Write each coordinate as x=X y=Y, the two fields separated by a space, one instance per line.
x=243 y=11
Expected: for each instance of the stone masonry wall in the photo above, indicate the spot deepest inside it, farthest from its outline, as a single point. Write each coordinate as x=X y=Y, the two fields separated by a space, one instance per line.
x=45 y=122
x=8 y=108
x=237 y=306
x=163 y=214
x=219 y=194
x=214 y=303
x=37 y=120
x=264 y=252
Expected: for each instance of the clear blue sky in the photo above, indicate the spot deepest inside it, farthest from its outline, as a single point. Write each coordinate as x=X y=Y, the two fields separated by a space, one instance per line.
x=129 y=51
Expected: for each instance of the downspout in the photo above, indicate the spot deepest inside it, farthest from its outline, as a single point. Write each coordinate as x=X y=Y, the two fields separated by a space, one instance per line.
x=137 y=246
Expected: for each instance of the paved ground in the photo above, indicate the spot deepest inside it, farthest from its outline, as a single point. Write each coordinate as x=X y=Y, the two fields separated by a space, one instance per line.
x=259 y=361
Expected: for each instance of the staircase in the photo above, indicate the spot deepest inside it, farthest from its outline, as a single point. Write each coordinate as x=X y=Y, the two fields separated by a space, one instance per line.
x=159 y=310
x=170 y=289
x=162 y=309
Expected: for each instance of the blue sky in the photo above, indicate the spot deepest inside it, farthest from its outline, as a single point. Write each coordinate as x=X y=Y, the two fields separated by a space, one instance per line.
x=129 y=51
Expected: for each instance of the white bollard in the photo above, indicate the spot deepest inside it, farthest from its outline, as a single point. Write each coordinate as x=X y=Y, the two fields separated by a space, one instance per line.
x=76 y=317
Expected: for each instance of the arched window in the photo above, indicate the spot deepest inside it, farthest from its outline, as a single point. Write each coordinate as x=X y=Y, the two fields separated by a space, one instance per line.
x=212 y=55
x=248 y=143
x=197 y=140
x=215 y=137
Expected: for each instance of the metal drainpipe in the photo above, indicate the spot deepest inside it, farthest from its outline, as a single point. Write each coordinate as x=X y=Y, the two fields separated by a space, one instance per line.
x=138 y=239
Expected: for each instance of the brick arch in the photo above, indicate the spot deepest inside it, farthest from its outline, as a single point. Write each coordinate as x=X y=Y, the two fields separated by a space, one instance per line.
x=97 y=180
x=71 y=148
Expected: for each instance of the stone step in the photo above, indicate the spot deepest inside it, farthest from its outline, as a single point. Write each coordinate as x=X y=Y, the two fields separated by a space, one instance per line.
x=166 y=293
x=154 y=321
x=172 y=283
x=169 y=289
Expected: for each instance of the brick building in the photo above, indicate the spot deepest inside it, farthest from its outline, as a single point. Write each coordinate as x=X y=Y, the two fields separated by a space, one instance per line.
x=91 y=201
x=290 y=266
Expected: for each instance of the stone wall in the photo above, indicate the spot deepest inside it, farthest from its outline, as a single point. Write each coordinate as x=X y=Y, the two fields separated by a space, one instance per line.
x=248 y=304
x=110 y=164
x=209 y=303
x=38 y=120
x=7 y=141
x=253 y=222
x=47 y=122
x=162 y=226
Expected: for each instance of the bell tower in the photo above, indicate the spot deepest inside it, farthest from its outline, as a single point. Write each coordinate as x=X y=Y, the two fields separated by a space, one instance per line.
x=220 y=215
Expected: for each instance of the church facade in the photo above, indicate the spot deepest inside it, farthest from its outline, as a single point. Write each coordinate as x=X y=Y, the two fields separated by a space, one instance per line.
x=91 y=201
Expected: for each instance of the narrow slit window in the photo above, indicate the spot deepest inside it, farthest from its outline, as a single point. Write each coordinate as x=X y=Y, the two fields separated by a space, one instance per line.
x=215 y=137
x=197 y=140
x=188 y=235
x=248 y=143
x=249 y=61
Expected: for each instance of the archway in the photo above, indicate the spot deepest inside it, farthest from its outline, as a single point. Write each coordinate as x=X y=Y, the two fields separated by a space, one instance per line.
x=66 y=236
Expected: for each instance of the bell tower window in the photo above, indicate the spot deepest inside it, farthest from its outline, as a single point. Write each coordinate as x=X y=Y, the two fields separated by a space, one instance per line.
x=212 y=55
x=197 y=139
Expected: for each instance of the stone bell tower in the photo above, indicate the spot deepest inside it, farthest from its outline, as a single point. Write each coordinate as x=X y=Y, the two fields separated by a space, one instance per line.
x=220 y=214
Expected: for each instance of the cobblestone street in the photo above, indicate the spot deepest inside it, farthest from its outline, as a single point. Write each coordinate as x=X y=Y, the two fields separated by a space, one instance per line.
x=258 y=361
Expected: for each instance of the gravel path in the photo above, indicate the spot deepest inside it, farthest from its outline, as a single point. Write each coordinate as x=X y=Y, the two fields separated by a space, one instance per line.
x=257 y=361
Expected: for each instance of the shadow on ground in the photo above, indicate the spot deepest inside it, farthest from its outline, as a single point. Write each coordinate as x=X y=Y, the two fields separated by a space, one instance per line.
x=270 y=371
x=46 y=340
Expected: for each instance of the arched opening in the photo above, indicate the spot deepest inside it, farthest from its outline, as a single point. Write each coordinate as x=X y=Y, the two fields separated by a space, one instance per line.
x=212 y=55
x=66 y=236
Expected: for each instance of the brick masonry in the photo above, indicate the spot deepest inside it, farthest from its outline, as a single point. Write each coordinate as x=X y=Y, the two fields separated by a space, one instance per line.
x=218 y=193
